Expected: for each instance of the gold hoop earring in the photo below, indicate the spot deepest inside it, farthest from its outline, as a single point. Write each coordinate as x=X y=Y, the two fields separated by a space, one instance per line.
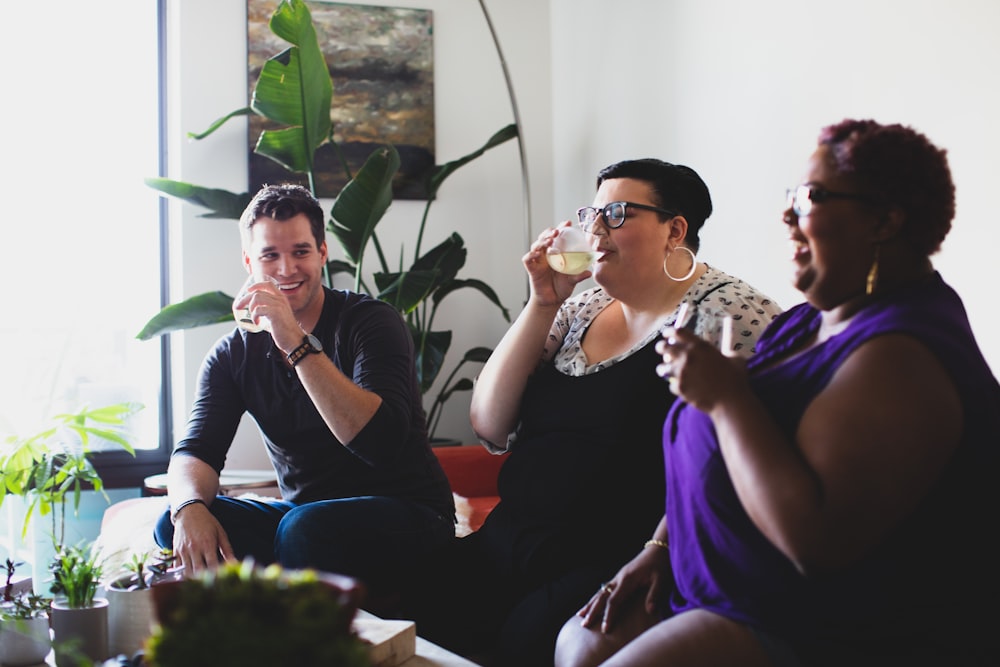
x=871 y=282
x=694 y=265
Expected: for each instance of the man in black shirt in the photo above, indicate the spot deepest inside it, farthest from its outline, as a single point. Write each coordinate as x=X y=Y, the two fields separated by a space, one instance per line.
x=330 y=381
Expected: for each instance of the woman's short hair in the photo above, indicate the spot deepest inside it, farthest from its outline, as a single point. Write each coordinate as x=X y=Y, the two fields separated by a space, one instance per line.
x=282 y=202
x=901 y=167
x=675 y=187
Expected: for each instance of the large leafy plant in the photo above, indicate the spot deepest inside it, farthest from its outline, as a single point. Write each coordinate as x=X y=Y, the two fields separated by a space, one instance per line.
x=294 y=93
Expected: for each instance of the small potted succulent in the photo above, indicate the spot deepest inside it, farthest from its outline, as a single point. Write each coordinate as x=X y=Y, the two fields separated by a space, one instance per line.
x=79 y=618
x=24 y=624
x=130 y=600
x=241 y=614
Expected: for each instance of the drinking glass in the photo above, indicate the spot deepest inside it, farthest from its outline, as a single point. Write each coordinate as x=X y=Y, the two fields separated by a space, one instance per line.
x=242 y=315
x=570 y=252
x=682 y=320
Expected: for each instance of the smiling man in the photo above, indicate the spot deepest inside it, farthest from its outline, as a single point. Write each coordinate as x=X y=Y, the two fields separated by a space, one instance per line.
x=330 y=380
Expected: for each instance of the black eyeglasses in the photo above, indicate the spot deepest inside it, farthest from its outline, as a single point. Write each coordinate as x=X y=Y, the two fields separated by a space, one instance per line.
x=614 y=214
x=802 y=198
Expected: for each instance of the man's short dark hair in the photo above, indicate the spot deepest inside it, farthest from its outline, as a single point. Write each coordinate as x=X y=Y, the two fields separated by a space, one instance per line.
x=282 y=202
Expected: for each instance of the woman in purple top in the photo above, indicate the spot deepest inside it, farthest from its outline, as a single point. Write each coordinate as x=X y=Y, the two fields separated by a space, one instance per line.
x=832 y=503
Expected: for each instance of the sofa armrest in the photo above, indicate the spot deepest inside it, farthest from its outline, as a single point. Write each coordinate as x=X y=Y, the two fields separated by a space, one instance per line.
x=471 y=470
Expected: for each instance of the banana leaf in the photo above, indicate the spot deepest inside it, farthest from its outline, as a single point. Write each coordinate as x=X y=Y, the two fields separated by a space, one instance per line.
x=221 y=204
x=200 y=310
x=363 y=202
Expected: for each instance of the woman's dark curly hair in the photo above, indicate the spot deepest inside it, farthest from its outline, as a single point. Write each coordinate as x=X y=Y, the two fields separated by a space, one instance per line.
x=901 y=167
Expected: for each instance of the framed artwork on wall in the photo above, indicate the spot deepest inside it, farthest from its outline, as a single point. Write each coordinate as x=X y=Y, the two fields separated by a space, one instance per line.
x=381 y=60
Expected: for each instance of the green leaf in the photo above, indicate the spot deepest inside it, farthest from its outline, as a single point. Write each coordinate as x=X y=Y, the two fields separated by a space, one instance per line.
x=478 y=354
x=473 y=283
x=444 y=171
x=221 y=203
x=335 y=266
x=200 y=310
x=294 y=89
x=293 y=23
x=245 y=111
x=287 y=147
x=431 y=358
x=406 y=290
x=447 y=257
x=363 y=202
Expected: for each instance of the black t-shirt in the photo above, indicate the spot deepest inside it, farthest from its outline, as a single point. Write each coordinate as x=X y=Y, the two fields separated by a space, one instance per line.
x=369 y=342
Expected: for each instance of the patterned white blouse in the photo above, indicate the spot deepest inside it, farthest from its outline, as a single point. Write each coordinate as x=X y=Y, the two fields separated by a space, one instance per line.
x=711 y=298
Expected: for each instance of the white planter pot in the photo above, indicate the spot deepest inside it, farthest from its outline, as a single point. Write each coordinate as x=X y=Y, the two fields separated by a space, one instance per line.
x=130 y=619
x=80 y=633
x=24 y=642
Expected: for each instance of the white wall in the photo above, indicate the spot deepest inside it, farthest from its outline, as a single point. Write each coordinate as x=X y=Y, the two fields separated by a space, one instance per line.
x=739 y=90
x=483 y=201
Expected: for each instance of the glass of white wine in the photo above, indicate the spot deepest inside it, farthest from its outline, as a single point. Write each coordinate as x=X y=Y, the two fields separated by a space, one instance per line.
x=570 y=252
x=242 y=315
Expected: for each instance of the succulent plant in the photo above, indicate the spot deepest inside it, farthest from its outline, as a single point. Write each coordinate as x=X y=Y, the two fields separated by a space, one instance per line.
x=241 y=614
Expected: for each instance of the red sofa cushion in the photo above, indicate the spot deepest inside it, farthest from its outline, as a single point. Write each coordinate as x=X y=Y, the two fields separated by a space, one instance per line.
x=472 y=472
x=471 y=469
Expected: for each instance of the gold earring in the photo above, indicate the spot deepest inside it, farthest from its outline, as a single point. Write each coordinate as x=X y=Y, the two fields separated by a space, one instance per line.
x=872 y=281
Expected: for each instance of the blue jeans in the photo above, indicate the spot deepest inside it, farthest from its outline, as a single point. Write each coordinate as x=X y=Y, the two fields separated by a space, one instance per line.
x=373 y=538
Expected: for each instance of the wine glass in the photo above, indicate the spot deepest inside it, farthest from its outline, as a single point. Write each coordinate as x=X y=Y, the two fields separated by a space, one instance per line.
x=682 y=321
x=570 y=252
x=242 y=315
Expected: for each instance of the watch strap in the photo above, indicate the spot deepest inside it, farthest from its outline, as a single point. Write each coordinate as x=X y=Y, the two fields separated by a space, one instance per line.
x=299 y=353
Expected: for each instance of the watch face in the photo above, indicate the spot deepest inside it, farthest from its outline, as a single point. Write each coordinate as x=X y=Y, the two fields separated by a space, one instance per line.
x=314 y=342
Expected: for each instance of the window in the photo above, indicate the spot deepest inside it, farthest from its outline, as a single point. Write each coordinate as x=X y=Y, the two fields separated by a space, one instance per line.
x=82 y=232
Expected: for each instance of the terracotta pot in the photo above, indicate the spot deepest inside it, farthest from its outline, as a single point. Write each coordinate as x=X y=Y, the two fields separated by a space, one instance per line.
x=79 y=633
x=24 y=641
x=130 y=619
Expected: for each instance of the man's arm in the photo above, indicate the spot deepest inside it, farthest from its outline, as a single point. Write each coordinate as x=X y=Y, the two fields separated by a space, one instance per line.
x=367 y=399
x=199 y=540
x=345 y=407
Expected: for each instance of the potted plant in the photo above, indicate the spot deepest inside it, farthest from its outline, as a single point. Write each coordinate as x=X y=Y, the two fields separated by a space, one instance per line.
x=24 y=624
x=294 y=92
x=79 y=618
x=47 y=468
x=14 y=586
x=240 y=614
x=130 y=600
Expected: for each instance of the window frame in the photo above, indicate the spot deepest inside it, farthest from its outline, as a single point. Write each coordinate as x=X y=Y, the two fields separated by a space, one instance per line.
x=119 y=469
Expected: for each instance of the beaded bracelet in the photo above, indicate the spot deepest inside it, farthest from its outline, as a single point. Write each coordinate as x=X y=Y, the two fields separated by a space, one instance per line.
x=180 y=506
x=656 y=543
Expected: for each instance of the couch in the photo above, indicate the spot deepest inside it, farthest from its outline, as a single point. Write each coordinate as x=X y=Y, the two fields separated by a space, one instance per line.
x=127 y=526
x=472 y=472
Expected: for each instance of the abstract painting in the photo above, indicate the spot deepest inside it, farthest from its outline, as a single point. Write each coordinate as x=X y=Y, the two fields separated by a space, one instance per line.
x=381 y=60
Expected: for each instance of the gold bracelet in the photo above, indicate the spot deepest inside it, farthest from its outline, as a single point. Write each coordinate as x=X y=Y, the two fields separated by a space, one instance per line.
x=656 y=543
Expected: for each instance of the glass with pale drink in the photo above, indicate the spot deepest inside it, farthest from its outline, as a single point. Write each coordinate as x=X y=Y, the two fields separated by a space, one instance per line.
x=242 y=315
x=570 y=252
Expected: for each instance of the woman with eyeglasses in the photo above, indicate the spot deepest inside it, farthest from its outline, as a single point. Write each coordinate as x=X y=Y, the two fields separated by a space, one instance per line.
x=571 y=392
x=834 y=501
